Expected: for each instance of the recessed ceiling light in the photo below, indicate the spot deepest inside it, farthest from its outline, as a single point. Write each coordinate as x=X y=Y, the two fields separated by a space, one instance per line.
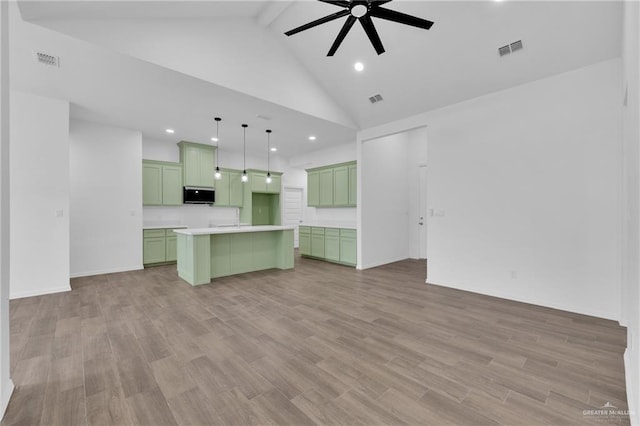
x=214 y=139
x=170 y=131
x=274 y=149
x=312 y=138
x=358 y=66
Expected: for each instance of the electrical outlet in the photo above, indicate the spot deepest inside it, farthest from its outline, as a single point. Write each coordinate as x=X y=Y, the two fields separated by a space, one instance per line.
x=514 y=275
x=58 y=213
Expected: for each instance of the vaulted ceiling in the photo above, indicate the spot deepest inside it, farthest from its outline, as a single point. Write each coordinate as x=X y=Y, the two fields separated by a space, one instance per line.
x=189 y=61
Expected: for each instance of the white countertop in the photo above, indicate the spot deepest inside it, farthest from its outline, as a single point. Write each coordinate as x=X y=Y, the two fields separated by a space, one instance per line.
x=330 y=224
x=164 y=227
x=233 y=229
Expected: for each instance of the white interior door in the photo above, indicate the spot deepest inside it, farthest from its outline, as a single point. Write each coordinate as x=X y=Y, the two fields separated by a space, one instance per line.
x=422 y=220
x=292 y=208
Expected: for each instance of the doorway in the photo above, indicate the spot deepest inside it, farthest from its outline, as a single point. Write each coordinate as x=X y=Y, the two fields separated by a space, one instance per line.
x=422 y=220
x=292 y=211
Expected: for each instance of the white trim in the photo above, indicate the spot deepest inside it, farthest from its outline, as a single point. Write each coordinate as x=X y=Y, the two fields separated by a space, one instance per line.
x=107 y=271
x=631 y=401
x=537 y=302
x=7 y=391
x=52 y=290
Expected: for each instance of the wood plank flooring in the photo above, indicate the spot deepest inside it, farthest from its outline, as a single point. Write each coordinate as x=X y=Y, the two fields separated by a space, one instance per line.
x=320 y=344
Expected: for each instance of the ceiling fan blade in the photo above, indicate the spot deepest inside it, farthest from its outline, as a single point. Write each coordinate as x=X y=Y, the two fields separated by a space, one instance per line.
x=338 y=2
x=317 y=22
x=399 y=17
x=378 y=2
x=367 y=24
x=342 y=34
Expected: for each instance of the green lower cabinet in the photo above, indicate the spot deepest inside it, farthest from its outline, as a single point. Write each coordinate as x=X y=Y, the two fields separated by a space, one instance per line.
x=305 y=241
x=317 y=242
x=331 y=244
x=159 y=246
x=154 y=250
x=171 y=251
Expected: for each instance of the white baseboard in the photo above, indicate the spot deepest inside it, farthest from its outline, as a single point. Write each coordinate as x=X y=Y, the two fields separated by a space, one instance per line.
x=106 y=271
x=631 y=398
x=538 y=302
x=51 y=290
x=7 y=391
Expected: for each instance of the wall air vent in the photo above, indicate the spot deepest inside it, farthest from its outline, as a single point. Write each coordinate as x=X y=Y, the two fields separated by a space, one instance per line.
x=375 y=98
x=510 y=48
x=516 y=45
x=504 y=50
x=47 y=59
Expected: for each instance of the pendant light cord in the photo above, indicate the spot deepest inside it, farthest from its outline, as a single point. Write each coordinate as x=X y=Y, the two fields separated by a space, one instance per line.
x=268 y=151
x=218 y=119
x=244 y=130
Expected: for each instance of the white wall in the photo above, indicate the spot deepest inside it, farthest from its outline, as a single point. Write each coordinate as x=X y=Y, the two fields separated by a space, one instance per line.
x=39 y=195
x=630 y=315
x=6 y=385
x=528 y=180
x=383 y=193
x=106 y=198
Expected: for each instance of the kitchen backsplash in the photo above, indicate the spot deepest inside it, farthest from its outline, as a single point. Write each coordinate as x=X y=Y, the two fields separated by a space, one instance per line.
x=193 y=216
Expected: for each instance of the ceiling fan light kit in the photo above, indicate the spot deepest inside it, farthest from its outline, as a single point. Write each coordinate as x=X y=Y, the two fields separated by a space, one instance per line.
x=362 y=11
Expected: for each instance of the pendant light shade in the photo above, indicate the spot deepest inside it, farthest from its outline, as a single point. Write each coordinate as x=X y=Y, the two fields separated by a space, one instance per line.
x=245 y=178
x=268 y=155
x=217 y=174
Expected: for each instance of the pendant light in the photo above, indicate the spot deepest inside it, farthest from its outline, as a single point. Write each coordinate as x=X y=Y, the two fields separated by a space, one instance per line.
x=245 y=178
x=217 y=175
x=268 y=155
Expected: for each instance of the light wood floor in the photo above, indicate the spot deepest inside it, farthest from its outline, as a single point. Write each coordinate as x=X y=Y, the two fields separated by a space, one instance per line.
x=321 y=344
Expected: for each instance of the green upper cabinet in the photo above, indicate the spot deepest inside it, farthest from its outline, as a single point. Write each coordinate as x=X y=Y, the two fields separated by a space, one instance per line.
x=258 y=182
x=332 y=186
x=353 y=184
x=326 y=188
x=229 y=188
x=161 y=183
x=198 y=162
x=151 y=184
x=341 y=186
x=313 y=188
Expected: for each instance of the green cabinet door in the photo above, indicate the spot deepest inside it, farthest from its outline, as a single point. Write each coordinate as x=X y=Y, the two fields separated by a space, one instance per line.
x=171 y=248
x=353 y=185
x=341 y=186
x=274 y=186
x=305 y=241
x=207 y=167
x=154 y=250
x=222 y=188
x=258 y=182
x=236 y=189
x=313 y=188
x=348 y=246
x=332 y=244
x=171 y=185
x=198 y=162
x=317 y=242
x=151 y=184
x=326 y=188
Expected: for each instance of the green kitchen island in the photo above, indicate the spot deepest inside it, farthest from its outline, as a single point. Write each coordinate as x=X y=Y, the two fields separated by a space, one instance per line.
x=207 y=253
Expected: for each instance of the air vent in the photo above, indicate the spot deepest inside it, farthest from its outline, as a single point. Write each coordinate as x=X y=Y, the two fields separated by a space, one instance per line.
x=504 y=50
x=516 y=45
x=375 y=98
x=510 y=48
x=263 y=117
x=46 y=59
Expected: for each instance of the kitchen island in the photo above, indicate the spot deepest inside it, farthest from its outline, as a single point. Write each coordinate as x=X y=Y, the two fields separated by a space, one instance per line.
x=207 y=253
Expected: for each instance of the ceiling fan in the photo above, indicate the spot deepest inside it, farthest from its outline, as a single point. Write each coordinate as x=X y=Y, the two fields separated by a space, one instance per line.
x=363 y=11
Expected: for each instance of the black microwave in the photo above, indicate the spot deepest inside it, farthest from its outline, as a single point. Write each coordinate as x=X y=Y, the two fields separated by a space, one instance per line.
x=198 y=195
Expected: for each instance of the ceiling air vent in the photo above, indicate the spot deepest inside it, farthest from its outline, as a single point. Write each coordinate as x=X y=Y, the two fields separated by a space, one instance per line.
x=510 y=48
x=375 y=98
x=47 y=59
